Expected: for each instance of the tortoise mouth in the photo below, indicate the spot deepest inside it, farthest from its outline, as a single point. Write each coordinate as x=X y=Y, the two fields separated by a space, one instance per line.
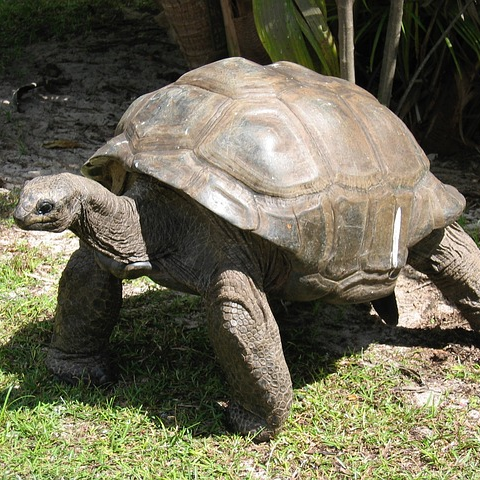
x=28 y=221
x=21 y=218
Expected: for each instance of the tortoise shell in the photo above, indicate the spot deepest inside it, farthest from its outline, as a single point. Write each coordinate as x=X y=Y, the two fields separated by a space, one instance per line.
x=314 y=164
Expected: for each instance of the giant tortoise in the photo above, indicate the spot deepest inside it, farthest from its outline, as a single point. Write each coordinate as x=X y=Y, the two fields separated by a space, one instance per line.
x=244 y=183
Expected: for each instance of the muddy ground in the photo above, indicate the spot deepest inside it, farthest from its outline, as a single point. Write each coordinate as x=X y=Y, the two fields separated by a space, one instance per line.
x=89 y=81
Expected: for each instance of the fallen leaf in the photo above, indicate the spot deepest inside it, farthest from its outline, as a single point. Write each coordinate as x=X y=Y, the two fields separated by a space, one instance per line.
x=62 y=144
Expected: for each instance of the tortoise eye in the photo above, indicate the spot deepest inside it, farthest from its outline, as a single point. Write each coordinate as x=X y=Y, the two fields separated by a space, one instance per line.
x=44 y=207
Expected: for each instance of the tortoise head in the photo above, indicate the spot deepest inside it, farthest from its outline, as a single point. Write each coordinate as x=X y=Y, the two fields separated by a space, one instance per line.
x=49 y=203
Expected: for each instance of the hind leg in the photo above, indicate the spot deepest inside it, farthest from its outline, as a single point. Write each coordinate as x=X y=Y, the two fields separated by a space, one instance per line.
x=451 y=259
x=89 y=301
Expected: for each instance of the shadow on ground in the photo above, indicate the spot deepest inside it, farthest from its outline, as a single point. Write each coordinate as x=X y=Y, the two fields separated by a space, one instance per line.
x=167 y=366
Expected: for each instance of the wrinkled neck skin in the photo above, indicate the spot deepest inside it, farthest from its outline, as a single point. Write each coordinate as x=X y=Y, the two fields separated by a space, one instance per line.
x=110 y=224
x=183 y=244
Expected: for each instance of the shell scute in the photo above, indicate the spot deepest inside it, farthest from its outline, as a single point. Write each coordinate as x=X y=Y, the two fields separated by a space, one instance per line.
x=173 y=118
x=265 y=146
x=313 y=164
x=236 y=78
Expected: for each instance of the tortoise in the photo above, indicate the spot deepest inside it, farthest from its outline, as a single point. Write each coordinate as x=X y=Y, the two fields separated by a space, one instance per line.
x=245 y=183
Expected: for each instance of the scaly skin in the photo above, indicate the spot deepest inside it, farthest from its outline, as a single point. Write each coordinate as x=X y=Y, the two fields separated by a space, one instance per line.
x=88 y=307
x=189 y=249
x=247 y=342
x=155 y=231
x=451 y=259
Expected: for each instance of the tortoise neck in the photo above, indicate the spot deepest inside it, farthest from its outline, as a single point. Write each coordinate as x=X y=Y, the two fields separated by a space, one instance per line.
x=110 y=224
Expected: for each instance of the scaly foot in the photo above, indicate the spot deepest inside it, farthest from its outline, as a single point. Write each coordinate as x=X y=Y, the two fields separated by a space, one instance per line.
x=74 y=368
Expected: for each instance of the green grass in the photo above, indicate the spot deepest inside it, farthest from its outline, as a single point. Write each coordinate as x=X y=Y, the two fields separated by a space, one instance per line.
x=351 y=417
x=8 y=200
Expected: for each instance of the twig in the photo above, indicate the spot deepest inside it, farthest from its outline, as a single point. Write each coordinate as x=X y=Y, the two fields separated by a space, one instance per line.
x=346 y=40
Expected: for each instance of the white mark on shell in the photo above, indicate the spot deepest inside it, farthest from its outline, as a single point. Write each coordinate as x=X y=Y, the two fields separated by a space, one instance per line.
x=396 y=237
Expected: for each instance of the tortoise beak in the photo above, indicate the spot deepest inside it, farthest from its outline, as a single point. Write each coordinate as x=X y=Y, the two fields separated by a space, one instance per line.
x=20 y=215
x=27 y=219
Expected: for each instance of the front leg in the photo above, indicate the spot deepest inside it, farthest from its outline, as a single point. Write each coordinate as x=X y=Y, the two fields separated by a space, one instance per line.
x=89 y=301
x=247 y=343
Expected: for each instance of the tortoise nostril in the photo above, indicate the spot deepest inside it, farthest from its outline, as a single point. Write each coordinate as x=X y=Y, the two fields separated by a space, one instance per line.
x=44 y=207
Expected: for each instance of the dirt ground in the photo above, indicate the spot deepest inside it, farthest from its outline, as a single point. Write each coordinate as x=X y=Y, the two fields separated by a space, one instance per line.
x=88 y=83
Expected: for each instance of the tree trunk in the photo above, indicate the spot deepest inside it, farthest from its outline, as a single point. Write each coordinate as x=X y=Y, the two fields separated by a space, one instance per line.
x=198 y=29
x=389 y=61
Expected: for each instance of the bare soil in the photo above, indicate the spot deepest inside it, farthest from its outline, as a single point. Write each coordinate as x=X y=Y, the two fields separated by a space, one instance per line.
x=89 y=81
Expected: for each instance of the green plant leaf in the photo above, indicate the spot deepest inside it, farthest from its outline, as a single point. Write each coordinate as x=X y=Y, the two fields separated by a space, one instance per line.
x=279 y=31
x=297 y=30
x=312 y=17
x=452 y=52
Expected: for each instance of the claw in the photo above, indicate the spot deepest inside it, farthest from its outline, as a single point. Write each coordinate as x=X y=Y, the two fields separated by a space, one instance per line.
x=74 y=369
